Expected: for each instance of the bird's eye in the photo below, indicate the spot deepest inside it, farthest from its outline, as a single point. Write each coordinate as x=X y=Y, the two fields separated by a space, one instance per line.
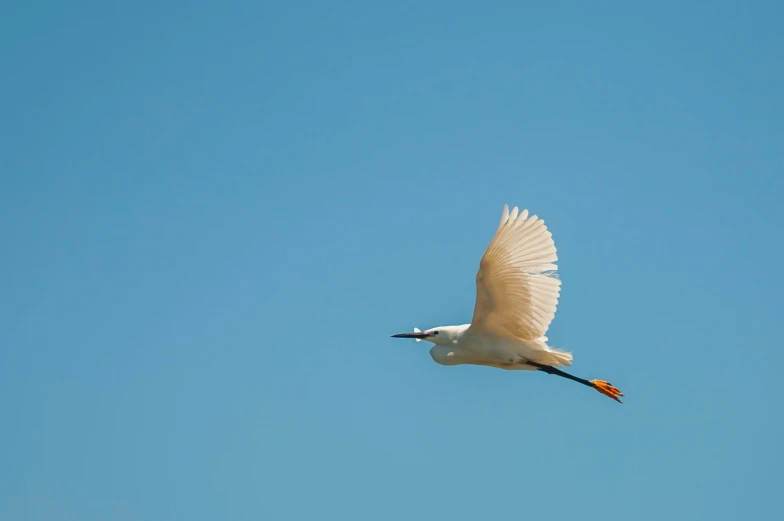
x=435 y=333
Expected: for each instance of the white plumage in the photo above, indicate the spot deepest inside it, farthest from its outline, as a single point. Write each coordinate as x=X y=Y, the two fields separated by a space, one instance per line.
x=517 y=287
x=517 y=291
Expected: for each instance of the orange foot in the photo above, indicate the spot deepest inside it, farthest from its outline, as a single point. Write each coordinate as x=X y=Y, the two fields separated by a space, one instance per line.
x=607 y=389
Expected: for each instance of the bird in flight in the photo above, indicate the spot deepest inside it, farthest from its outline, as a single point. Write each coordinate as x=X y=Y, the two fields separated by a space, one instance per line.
x=517 y=291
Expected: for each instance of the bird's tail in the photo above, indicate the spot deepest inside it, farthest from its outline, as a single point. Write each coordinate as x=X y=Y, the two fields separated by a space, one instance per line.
x=550 y=355
x=553 y=356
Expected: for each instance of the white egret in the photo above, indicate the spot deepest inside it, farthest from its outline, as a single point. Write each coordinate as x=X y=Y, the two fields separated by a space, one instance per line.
x=517 y=292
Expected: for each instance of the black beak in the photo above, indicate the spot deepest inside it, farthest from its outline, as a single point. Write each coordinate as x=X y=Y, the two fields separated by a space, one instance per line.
x=419 y=335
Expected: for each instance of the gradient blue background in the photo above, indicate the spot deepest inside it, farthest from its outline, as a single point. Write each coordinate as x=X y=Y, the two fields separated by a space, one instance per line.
x=214 y=214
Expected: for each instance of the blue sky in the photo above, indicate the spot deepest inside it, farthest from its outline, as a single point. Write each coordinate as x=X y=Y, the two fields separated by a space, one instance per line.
x=214 y=214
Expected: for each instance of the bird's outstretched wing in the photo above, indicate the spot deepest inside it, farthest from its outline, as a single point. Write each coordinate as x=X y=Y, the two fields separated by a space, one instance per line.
x=516 y=287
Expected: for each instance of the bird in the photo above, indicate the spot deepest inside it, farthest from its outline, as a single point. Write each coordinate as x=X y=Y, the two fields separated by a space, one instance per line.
x=517 y=291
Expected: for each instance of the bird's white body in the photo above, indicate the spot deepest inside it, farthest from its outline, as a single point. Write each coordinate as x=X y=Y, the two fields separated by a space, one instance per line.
x=466 y=346
x=517 y=294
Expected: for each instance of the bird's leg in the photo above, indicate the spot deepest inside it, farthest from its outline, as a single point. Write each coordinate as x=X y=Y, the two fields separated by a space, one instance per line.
x=603 y=387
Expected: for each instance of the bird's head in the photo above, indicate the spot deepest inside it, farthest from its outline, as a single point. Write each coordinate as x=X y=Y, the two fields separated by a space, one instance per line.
x=437 y=335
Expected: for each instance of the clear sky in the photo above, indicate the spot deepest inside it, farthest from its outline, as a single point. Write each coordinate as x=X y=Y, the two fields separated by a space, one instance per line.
x=215 y=214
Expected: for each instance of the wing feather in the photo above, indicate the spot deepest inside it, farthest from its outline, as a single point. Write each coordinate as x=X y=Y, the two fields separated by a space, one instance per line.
x=517 y=288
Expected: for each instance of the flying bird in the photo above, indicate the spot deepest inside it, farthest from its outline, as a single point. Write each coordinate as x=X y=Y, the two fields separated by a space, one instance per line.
x=517 y=290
